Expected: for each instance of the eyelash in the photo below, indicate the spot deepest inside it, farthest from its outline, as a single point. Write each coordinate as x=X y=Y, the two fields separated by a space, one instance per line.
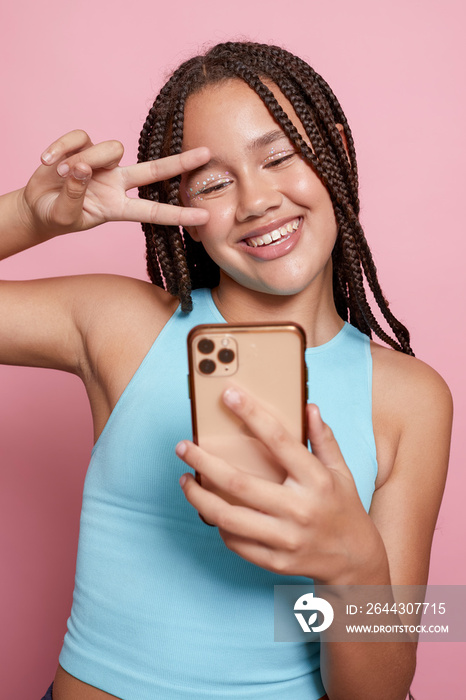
x=217 y=186
x=282 y=157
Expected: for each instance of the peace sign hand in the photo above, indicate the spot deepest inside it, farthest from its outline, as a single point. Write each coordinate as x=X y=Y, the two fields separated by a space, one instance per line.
x=80 y=185
x=313 y=524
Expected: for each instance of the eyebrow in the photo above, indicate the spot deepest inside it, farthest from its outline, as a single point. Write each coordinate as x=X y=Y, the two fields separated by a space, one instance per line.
x=258 y=143
x=267 y=139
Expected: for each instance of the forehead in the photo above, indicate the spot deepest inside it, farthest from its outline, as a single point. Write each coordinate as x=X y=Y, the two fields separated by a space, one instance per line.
x=230 y=114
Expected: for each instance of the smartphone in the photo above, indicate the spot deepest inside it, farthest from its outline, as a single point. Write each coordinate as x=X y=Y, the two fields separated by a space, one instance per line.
x=268 y=361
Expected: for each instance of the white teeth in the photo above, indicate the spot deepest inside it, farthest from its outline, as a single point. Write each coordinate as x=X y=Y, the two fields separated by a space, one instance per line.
x=274 y=235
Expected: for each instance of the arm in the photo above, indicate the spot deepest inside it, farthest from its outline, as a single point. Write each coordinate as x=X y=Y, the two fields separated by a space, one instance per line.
x=314 y=524
x=78 y=186
x=415 y=438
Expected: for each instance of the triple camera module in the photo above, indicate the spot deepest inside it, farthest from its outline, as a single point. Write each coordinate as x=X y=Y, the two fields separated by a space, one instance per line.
x=219 y=356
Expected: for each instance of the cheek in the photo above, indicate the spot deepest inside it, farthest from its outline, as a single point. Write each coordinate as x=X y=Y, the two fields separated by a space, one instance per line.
x=310 y=190
x=220 y=222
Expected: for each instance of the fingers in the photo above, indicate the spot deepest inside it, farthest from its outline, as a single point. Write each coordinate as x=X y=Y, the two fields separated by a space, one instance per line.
x=68 y=206
x=75 y=148
x=71 y=142
x=165 y=168
x=165 y=214
x=233 y=519
x=291 y=454
x=323 y=443
x=105 y=155
x=237 y=485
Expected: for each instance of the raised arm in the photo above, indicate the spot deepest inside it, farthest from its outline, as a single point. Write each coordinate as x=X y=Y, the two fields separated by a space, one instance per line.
x=78 y=186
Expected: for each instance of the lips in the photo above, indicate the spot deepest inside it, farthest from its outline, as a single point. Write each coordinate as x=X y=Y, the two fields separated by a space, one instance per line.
x=273 y=240
x=273 y=236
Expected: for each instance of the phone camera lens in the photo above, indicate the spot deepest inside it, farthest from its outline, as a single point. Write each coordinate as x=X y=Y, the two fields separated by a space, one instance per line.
x=205 y=346
x=226 y=355
x=207 y=366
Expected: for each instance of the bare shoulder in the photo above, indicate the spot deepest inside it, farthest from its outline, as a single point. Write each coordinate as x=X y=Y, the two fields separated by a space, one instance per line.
x=410 y=400
x=116 y=296
x=120 y=316
x=406 y=377
x=120 y=320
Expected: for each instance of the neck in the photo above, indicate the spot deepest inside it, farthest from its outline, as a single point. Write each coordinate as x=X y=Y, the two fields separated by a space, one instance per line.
x=313 y=309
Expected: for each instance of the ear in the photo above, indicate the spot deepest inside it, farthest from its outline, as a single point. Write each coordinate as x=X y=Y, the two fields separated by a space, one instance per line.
x=341 y=129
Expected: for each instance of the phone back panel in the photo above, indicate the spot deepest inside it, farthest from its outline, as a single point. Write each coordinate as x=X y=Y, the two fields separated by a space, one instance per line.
x=268 y=362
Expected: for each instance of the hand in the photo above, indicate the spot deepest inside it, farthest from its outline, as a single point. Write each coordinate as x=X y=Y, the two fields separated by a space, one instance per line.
x=80 y=185
x=313 y=524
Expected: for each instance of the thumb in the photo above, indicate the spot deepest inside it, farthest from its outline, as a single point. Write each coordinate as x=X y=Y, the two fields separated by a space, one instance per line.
x=323 y=443
x=69 y=203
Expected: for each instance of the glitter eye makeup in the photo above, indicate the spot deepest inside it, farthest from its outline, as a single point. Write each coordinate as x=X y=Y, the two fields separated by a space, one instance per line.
x=276 y=156
x=209 y=183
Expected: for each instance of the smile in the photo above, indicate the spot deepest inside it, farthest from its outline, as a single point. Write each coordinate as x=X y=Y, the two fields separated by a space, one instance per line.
x=273 y=237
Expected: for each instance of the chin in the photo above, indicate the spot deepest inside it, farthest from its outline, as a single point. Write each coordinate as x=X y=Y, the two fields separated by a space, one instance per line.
x=285 y=290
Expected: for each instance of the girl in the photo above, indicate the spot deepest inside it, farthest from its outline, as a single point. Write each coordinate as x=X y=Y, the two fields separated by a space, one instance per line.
x=254 y=146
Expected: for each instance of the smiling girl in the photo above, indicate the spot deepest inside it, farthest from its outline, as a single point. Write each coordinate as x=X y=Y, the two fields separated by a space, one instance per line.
x=255 y=148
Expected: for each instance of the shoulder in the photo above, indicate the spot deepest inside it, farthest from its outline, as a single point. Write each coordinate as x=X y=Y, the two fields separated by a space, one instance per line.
x=113 y=299
x=119 y=317
x=410 y=402
x=406 y=379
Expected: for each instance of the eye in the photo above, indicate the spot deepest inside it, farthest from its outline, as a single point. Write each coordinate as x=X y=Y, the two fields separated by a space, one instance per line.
x=279 y=158
x=206 y=187
x=214 y=188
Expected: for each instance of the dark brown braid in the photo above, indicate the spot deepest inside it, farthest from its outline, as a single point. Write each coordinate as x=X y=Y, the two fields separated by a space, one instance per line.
x=177 y=263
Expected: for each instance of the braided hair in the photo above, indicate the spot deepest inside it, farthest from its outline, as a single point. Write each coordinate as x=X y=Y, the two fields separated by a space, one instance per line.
x=179 y=264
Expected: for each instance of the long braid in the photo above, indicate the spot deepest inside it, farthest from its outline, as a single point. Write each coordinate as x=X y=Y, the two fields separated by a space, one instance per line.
x=151 y=138
x=181 y=281
x=179 y=264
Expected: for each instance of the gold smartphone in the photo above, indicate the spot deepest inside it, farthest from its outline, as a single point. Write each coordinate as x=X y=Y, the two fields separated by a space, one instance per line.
x=268 y=361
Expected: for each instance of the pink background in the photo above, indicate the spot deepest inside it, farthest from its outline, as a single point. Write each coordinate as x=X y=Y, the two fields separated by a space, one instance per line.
x=398 y=68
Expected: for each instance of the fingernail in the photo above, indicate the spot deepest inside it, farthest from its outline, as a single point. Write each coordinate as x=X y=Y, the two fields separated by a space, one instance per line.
x=63 y=169
x=232 y=397
x=180 y=449
x=316 y=412
x=183 y=479
x=80 y=174
x=46 y=157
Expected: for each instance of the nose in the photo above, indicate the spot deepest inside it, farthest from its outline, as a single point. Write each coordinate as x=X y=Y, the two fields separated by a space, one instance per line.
x=256 y=196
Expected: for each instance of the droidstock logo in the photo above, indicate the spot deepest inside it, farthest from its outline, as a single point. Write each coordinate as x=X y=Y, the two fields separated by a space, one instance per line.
x=308 y=603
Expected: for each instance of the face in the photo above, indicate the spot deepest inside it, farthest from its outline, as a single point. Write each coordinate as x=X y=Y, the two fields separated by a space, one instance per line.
x=272 y=227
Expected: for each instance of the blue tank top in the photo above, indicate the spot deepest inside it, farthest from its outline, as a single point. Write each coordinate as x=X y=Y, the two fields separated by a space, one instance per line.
x=162 y=610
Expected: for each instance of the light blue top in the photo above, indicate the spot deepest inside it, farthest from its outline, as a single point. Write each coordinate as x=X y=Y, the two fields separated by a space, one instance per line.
x=162 y=610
